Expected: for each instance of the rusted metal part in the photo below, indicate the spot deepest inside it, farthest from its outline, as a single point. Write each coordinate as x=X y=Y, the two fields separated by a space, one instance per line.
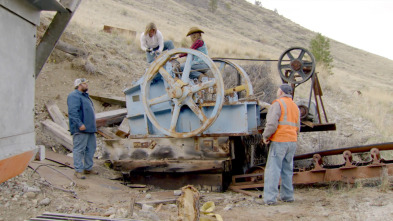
x=344 y=174
x=376 y=156
x=15 y=165
x=300 y=67
x=247 y=179
x=296 y=65
x=340 y=174
x=178 y=166
x=317 y=162
x=348 y=172
x=348 y=159
x=356 y=149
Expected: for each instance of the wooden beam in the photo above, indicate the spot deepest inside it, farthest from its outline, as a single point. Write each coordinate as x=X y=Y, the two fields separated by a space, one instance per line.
x=110 y=99
x=105 y=132
x=53 y=33
x=110 y=117
x=58 y=133
x=124 y=129
x=70 y=49
x=56 y=114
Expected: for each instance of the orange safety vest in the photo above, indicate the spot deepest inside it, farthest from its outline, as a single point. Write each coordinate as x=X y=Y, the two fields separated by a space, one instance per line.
x=288 y=123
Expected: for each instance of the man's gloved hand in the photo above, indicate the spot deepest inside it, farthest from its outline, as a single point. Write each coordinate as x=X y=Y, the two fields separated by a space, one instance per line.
x=149 y=50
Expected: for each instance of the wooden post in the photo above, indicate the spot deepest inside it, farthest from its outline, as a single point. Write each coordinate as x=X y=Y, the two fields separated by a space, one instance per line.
x=124 y=129
x=56 y=114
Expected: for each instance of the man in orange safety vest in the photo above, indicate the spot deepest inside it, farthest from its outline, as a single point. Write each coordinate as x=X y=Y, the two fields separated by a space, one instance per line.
x=281 y=131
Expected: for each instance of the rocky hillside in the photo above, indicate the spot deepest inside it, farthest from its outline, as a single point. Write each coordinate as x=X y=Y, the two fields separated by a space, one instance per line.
x=357 y=97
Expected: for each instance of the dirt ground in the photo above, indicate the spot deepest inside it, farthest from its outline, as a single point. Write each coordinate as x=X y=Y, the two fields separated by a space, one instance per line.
x=53 y=188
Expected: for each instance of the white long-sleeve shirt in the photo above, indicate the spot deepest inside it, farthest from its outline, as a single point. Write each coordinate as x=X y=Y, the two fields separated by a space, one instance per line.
x=152 y=42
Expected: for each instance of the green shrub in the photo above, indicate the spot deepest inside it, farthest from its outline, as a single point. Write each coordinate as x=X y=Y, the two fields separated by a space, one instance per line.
x=320 y=48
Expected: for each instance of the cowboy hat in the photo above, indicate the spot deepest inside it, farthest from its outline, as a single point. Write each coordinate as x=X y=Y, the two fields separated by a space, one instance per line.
x=194 y=30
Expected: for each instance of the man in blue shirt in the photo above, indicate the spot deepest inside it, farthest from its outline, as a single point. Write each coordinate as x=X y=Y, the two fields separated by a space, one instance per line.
x=82 y=127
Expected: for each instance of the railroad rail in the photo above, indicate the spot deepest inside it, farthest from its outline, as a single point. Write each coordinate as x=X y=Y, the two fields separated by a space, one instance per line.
x=320 y=172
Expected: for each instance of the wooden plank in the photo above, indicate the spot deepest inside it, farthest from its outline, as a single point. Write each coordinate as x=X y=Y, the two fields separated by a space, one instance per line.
x=110 y=99
x=105 y=132
x=110 y=117
x=60 y=158
x=124 y=129
x=70 y=49
x=58 y=133
x=53 y=33
x=56 y=114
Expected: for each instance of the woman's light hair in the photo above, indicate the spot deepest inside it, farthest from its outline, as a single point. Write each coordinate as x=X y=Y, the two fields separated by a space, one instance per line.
x=150 y=26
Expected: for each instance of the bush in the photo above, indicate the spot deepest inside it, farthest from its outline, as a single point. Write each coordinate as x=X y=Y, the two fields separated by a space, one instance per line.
x=320 y=48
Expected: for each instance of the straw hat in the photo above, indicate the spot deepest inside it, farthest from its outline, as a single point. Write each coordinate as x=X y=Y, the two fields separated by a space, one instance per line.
x=194 y=30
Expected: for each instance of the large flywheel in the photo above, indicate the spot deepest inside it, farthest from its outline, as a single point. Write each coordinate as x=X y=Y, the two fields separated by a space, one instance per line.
x=296 y=65
x=235 y=78
x=180 y=92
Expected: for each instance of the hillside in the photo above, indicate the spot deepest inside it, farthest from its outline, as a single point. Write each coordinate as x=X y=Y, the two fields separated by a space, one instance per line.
x=237 y=29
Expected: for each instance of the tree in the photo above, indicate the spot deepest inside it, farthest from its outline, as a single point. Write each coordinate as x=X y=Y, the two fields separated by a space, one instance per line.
x=320 y=48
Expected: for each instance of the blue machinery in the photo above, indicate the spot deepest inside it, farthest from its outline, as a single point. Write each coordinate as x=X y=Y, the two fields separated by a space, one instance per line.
x=189 y=131
x=163 y=105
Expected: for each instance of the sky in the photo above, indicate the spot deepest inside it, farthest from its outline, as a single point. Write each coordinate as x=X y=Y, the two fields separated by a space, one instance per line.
x=363 y=24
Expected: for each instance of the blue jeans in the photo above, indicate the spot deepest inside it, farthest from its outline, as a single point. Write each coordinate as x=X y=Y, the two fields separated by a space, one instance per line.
x=279 y=163
x=195 y=74
x=84 y=149
x=150 y=57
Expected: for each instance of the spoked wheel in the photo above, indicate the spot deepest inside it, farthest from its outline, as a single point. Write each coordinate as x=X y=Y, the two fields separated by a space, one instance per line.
x=230 y=72
x=179 y=92
x=299 y=68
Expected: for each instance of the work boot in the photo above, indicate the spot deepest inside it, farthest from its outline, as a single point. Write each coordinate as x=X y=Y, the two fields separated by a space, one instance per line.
x=288 y=200
x=270 y=203
x=79 y=175
x=92 y=172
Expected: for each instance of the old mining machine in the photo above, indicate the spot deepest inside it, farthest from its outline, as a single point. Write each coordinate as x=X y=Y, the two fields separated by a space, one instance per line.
x=207 y=132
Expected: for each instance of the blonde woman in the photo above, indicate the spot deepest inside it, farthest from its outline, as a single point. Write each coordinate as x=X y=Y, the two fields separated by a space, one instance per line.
x=153 y=43
x=197 y=44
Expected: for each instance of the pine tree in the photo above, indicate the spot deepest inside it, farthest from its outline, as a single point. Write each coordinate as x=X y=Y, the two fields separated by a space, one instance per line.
x=320 y=48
